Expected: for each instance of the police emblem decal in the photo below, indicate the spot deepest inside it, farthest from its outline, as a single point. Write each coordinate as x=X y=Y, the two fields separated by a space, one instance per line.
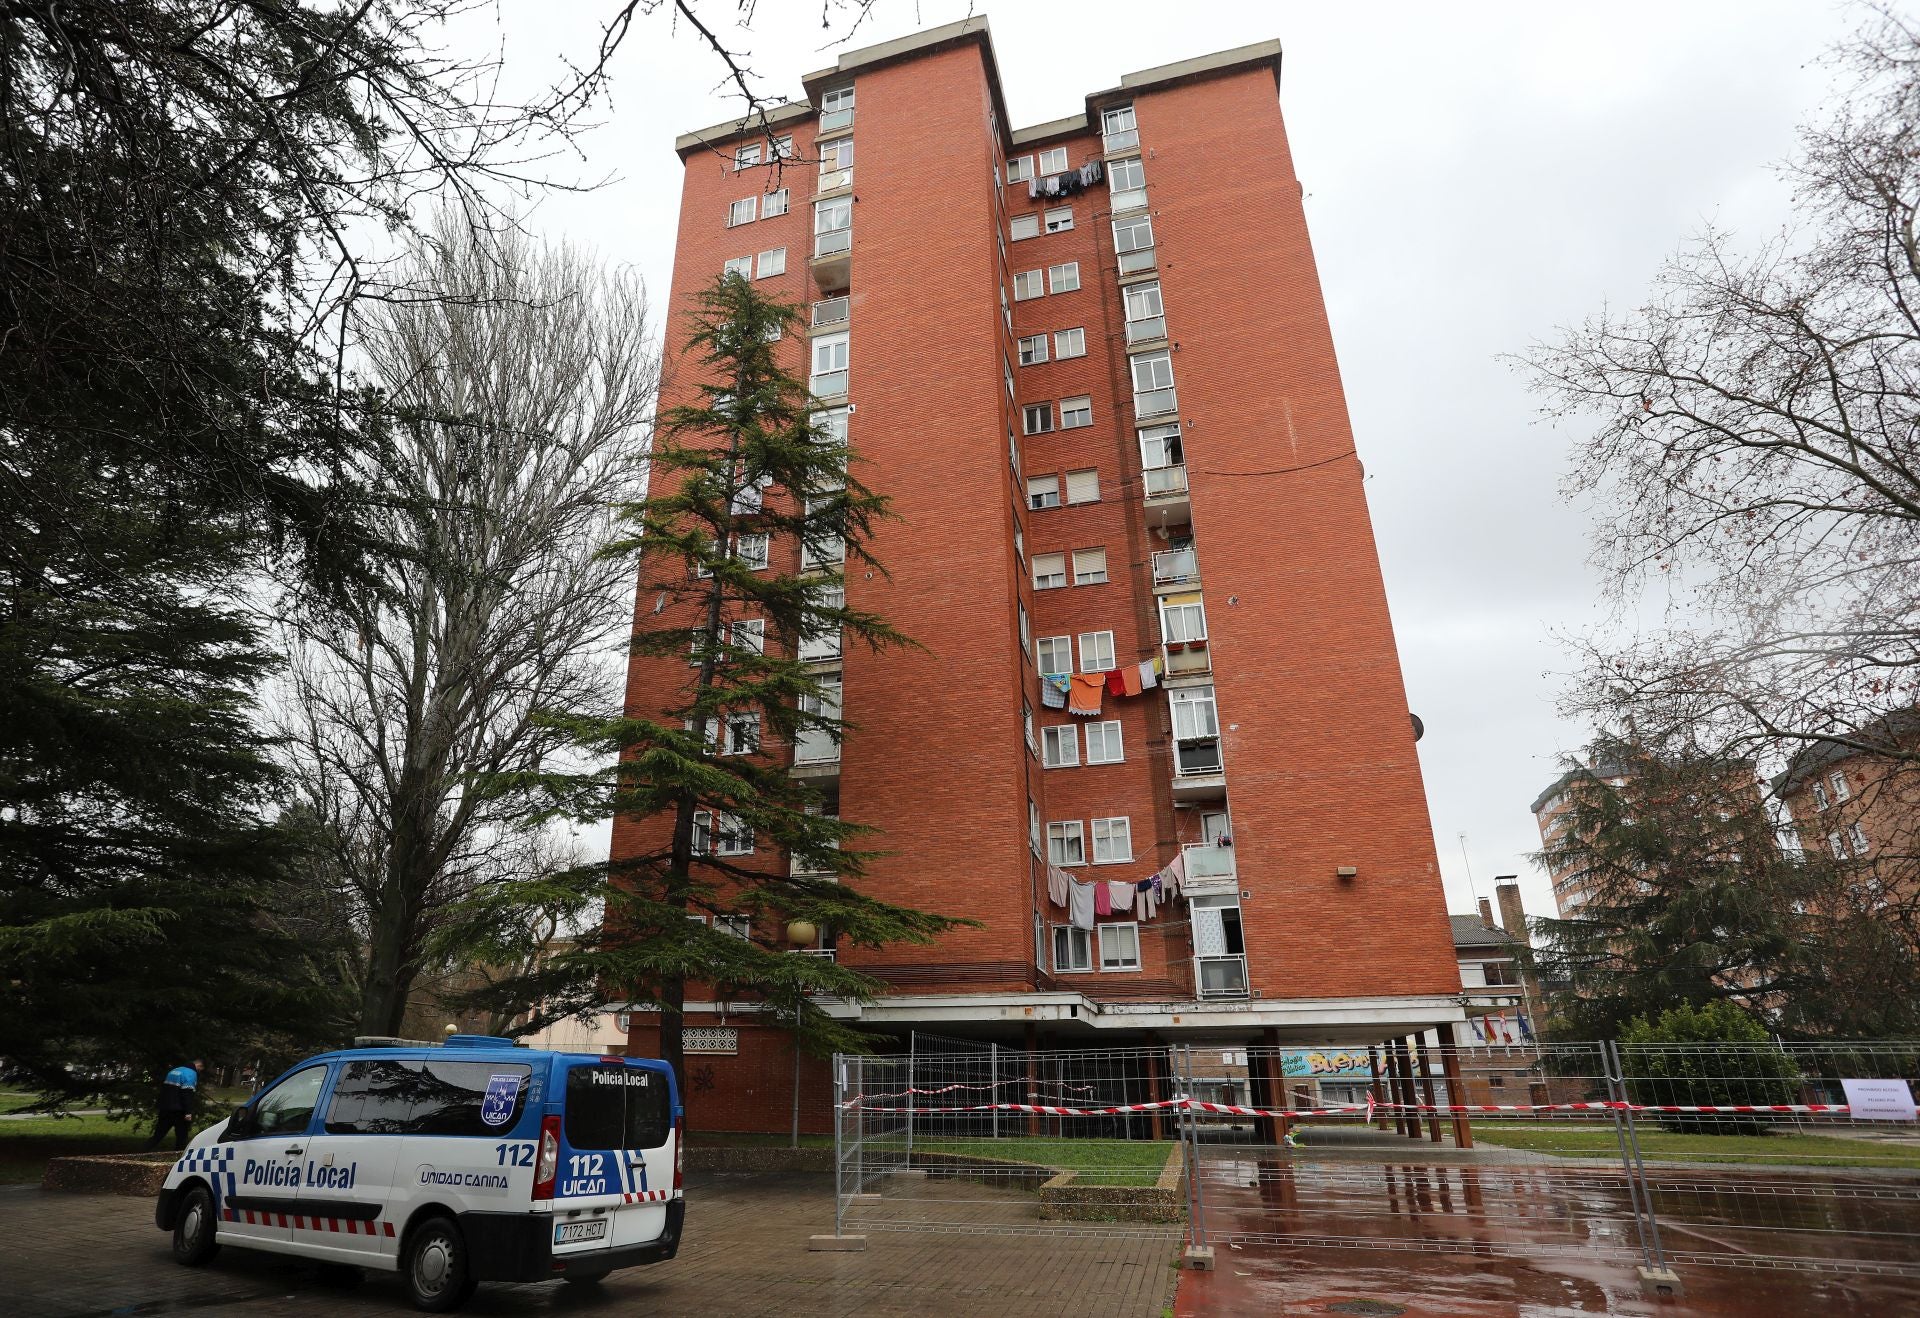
x=496 y=1109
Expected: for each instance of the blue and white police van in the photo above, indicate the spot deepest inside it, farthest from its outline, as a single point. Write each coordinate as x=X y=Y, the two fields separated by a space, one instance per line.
x=475 y=1160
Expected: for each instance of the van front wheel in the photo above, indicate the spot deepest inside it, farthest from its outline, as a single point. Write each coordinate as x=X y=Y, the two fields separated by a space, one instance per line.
x=438 y=1276
x=193 y=1229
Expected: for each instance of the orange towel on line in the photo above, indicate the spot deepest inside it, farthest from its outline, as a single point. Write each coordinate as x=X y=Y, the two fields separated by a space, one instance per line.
x=1084 y=699
x=1130 y=679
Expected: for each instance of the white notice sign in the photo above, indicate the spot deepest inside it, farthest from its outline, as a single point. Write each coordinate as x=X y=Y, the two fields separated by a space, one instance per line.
x=1879 y=1100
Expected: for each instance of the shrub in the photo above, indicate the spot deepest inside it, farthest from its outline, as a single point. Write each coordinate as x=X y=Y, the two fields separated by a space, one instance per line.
x=1714 y=1055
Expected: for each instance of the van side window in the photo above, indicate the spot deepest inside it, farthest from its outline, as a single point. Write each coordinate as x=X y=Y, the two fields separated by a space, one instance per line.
x=372 y=1098
x=287 y=1108
x=392 y=1097
x=617 y=1107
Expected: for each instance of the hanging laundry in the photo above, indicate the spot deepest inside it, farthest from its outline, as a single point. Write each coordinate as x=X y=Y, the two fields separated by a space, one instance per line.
x=1102 y=897
x=1058 y=885
x=1120 y=896
x=1053 y=690
x=1149 y=900
x=1033 y=188
x=1085 y=700
x=1091 y=173
x=1130 y=680
x=1116 y=684
x=1176 y=872
x=1149 y=674
x=1080 y=904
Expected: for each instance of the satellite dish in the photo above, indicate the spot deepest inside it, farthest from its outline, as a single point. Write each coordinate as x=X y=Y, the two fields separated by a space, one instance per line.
x=1419 y=728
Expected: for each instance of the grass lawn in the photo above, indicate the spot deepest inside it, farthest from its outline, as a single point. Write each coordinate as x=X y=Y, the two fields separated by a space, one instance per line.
x=1782 y=1150
x=1098 y=1162
x=26 y=1144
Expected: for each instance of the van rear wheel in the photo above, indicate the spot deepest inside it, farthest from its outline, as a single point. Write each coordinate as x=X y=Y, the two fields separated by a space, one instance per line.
x=194 y=1242
x=439 y=1278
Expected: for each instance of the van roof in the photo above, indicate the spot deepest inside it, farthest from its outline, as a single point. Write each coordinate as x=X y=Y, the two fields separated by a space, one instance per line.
x=472 y=1048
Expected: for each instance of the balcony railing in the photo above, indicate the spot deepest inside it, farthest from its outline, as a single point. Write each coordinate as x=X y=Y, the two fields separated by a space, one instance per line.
x=830 y=311
x=1124 y=140
x=1221 y=976
x=815 y=747
x=1160 y=481
x=1198 y=758
x=1140 y=331
x=834 y=120
x=832 y=180
x=1129 y=199
x=1173 y=567
x=1187 y=658
x=816 y=648
x=824 y=953
x=1209 y=860
x=832 y=242
x=1133 y=262
x=829 y=384
x=1155 y=402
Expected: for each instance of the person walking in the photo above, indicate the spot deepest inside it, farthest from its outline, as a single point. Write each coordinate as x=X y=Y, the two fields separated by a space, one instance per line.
x=177 y=1094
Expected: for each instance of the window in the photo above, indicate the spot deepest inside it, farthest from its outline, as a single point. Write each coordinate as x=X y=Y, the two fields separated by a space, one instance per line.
x=1024 y=226
x=1133 y=244
x=1839 y=783
x=749 y=635
x=1007 y=373
x=751 y=495
x=1160 y=447
x=750 y=547
x=1026 y=726
x=816 y=744
x=740 y=265
x=832 y=226
x=1033 y=350
x=1037 y=418
x=783 y=147
x=1049 y=571
x=1089 y=567
x=1027 y=285
x=825 y=542
x=774 y=203
x=1063 y=278
x=734 y=926
x=820 y=637
x=373 y=1098
x=1055 y=654
x=1820 y=801
x=1076 y=412
x=1096 y=652
x=1083 y=486
x=771 y=263
x=1120 y=946
x=1019 y=539
x=1053 y=160
x=742 y=211
x=1013 y=450
x=1858 y=836
x=1033 y=826
x=1043 y=492
x=743 y=734
x=829 y=365
x=1059 y=219
x=836 y=109
x=1112 y=841
x=1127 y=182
x=716 y=833
x=1153 y=391
x=1118 y=131
x=836 y=164
x=1060 y=746
x=746 y=156
x=1067 y=843
x=1019 y=169
x=1146 y=315
x=1837 y=845
x=632 y=1113
x=287 y=1108
x=1069 y=343
x=1026 y=627
x=1072 y=949
x=1183 y=618
x=1193 y=713
x=1103 y=743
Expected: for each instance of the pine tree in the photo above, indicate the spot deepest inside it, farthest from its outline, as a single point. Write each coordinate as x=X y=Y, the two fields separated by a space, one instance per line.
x=750 y=458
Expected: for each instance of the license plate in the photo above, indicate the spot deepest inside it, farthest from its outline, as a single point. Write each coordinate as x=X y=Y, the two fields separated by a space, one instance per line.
x=572 y=1233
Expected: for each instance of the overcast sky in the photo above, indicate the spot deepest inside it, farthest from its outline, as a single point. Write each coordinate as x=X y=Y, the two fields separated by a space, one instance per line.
x=1475 y=175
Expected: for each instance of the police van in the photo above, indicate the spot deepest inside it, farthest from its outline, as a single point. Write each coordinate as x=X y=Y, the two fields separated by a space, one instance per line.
x=475 y=1160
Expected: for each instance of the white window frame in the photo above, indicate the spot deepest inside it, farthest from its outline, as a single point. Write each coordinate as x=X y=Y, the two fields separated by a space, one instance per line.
x=1090 y=566
x=1194 y=707
x=1026 y=726
x=1053 y=160
x=1820 y=801
x=1124 y=958
x=1114 y=836
x=1028 y=285
x=748 y=634
x=752 y=548
x=1066 y=842
x=1026 y=628
x=1060 y=746
x=1063 y=278
x=1857 y=836
x=777 y=202
x=782 y=147
x=1076 y=413
x=1837 y=845
x=1057 y=219
x=1118 y=122
x=837 y=352
x=1160 y=446
x=825 y=552
x=734 y=926
x=1134 y=256
x=1061 y=649
x=746 y=155
x=1050 y=571
x=738 y=265
x=825 y=645
x=1837 y=780
x=1033 y=827
x=1183 y=623
x=1105 y=743
x=1019 y=169
x=836 y=108
x=1043 y=492
x=832 y=217
x=735 y=219
x=1033 y=350
x=1069 y=343
x=1032 y=412
x=1022 y=227
x=836 y=157
x=1078 y=945
x=1127 y=183
x=1083 y=486
x=1152 y=374
x=1102 y=652
x=769 y=263
x=717 y=833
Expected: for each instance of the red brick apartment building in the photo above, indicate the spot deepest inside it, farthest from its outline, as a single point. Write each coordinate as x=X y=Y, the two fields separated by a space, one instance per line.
x=1090 y=363
x=1860 y=806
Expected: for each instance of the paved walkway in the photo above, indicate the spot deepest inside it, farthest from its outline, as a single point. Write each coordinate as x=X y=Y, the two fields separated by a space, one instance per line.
x=90 y=1256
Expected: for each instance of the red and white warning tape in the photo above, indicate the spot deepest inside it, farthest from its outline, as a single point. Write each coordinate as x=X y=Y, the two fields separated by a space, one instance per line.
x=948 y=1089
x=1354 y=1109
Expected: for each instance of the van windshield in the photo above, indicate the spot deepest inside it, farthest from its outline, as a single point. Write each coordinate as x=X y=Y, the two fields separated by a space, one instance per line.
x=617 y=1107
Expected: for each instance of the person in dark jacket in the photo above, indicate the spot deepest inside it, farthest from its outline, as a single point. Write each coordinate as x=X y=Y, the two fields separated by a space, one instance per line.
x=178 y=1093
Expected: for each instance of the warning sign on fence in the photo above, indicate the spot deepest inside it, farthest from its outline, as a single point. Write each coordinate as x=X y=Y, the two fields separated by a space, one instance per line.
x=1879 y=1100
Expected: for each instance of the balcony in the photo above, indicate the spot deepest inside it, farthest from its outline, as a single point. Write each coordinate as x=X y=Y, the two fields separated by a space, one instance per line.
x=1198 y=774
x=832 y=263
x=831 y=311
x=1221 y=976
x=1146 y=330
x=1127 y=139
x=1187 y=658
x=1210 y=868
x=1176 y=567
x=1165 y=489
x=832 y=121
x=824 y=953
x=1155 y=402
x=1136 y=261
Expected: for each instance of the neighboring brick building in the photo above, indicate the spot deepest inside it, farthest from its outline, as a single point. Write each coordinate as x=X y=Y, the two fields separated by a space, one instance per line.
x=1113 y=426
x=1861 y=807
x=1550 y=810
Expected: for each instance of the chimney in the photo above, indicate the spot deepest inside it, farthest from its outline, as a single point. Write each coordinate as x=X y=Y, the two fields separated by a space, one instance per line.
x=1486 y=913
x=1506 y=890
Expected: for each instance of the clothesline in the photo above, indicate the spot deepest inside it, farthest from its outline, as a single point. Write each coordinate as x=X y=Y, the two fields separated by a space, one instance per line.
x=1080 y=693
x=1086 y=899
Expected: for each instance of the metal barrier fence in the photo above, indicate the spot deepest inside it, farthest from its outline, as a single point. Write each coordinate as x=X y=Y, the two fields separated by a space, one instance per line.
x=1647 y=1158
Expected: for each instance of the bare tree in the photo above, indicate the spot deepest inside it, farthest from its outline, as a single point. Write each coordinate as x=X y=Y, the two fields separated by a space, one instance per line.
x=526 y=384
